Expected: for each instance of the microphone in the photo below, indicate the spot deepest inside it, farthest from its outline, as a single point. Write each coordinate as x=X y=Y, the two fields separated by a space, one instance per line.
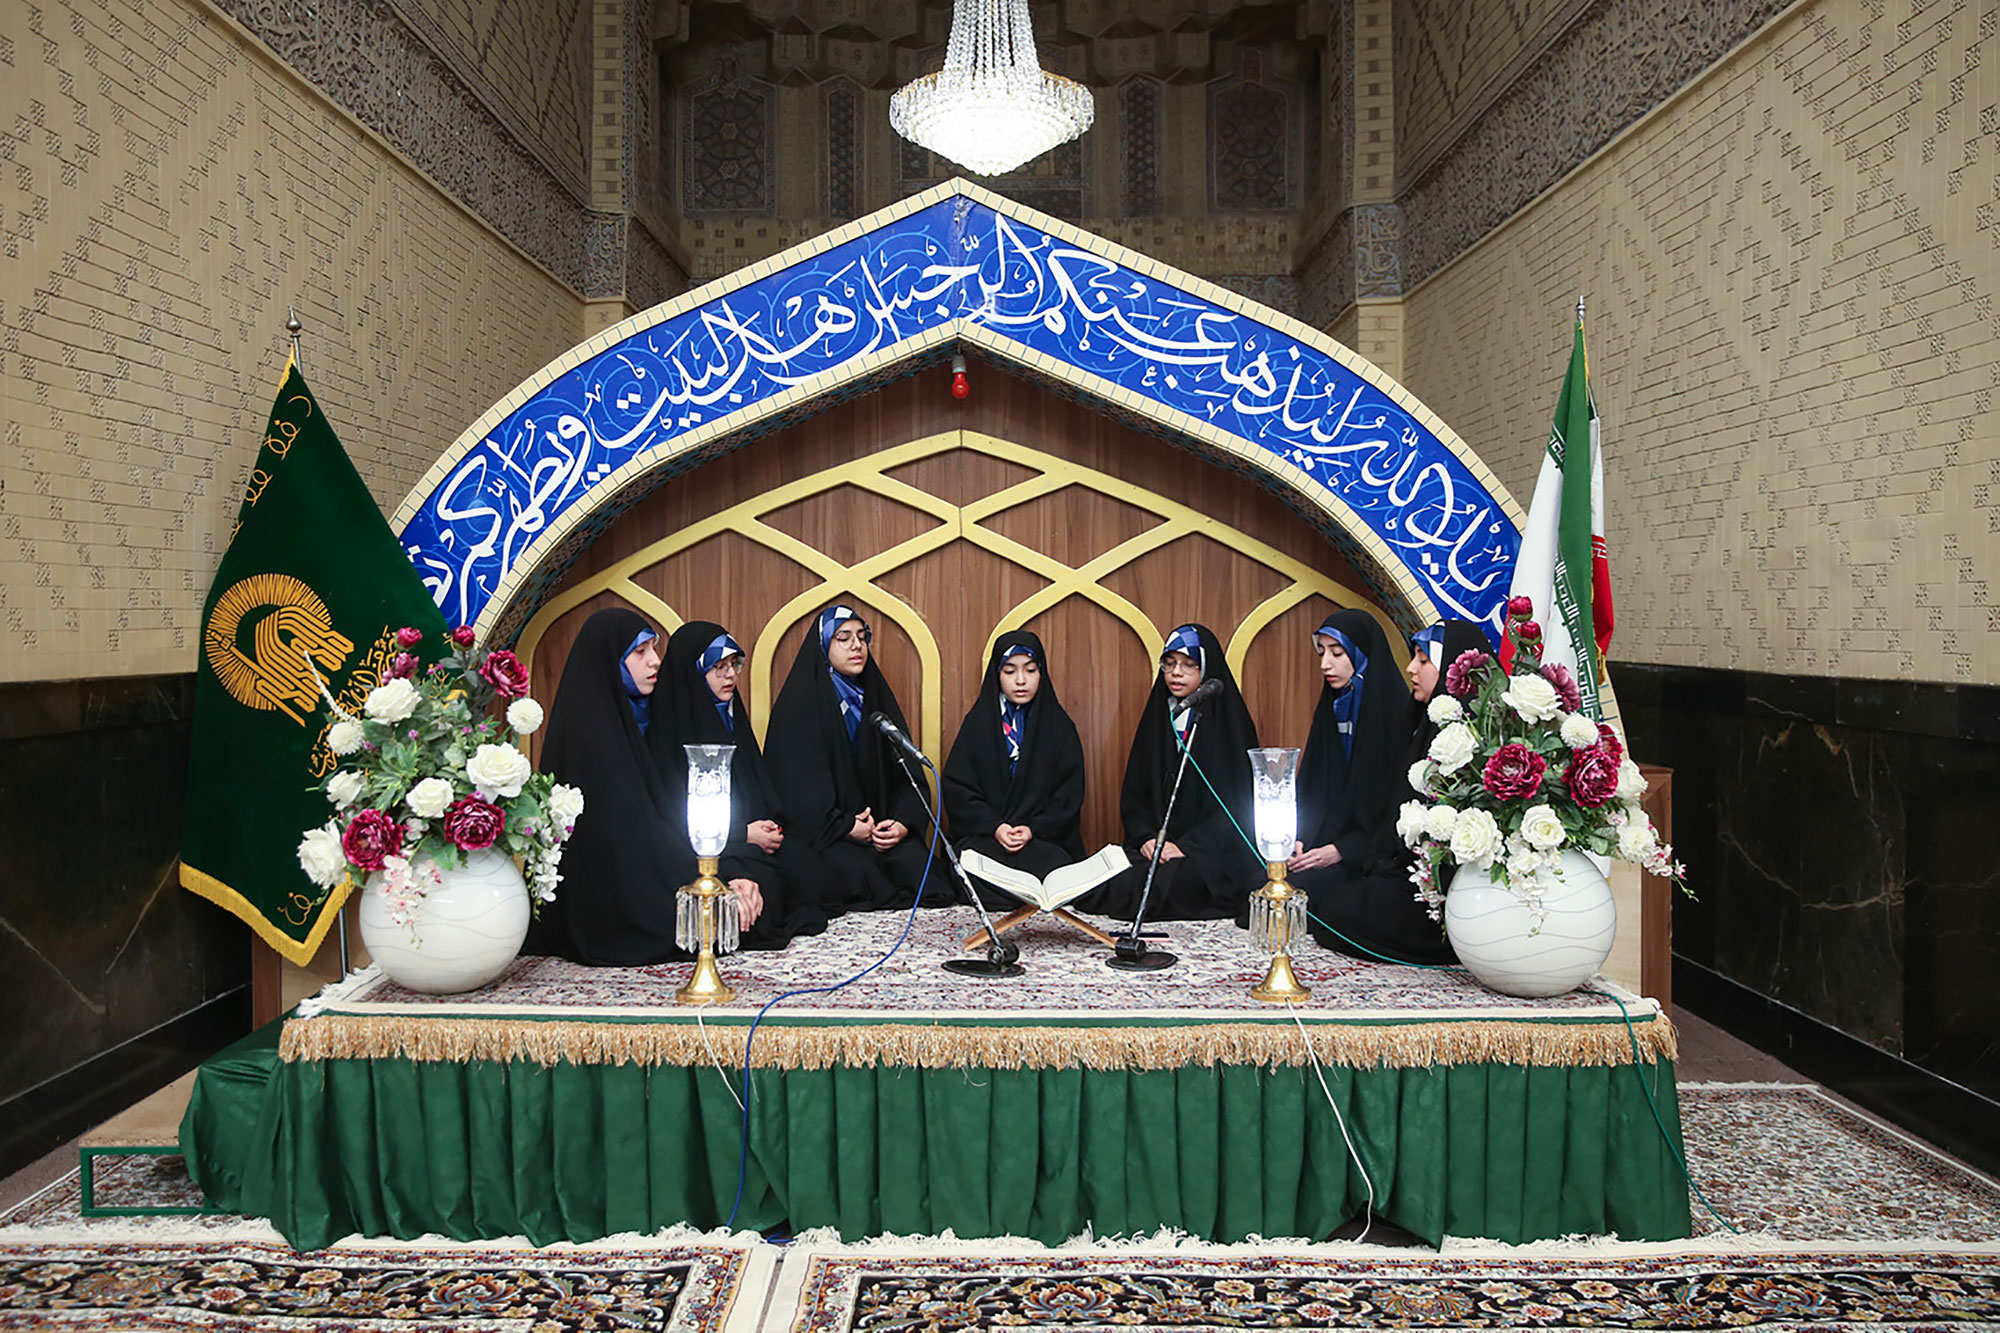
x=896 y=738
x=1208 y=689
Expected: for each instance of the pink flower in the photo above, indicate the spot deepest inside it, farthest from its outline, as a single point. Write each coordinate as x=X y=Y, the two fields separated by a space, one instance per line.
x=1592 y=776
x=1609 y=740
x=1560 y=676
x=370 y=837
x=401 y=667
x=462 y=636
x=1462 y=677
x=471 y=823
x=409 y=637
x=504 y=672
x=1514 y=773
x=1520 y=607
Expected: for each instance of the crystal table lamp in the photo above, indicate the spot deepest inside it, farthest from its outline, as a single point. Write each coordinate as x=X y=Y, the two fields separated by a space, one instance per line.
x=1277 y=911
x=706 y=921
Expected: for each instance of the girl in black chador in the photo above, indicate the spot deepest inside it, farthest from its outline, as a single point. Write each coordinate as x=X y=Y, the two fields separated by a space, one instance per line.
x=1352 y=779
x=615 y=907
x=1432 y=651
x=697 y=704
x=1013 y=786
x=854 y=816
x=1206 y=868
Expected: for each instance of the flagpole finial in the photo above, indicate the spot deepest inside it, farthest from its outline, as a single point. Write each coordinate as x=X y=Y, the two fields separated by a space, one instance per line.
x=1579 y=307
x=292 y=330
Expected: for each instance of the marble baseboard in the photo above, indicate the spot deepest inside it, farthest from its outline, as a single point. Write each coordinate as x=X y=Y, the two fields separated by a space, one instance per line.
x=101 y=947
x=1837 y=834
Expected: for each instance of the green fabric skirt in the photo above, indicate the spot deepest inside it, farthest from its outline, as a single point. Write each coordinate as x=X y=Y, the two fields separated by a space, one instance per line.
x=326 y=1148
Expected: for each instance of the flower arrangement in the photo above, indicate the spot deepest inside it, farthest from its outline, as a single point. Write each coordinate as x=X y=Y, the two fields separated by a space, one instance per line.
x=1517 y=775
x=428 y=774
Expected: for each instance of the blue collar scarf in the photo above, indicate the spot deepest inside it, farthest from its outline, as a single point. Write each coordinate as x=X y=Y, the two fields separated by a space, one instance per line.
x=1184 y=640
x=1013 y=716
x=719 y=650
x=1347 y=701
x=642 y=704
x=847 y=691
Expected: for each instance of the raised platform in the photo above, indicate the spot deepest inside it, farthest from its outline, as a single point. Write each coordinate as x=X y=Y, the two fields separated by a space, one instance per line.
x=567 y=1103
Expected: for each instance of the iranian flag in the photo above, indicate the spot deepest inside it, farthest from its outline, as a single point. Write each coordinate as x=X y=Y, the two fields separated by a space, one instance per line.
x=1563 y=565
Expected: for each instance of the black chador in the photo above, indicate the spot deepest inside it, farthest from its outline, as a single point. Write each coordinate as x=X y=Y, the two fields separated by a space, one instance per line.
x=1018 y=765
x=687 y=711
x=1216 y=869
x=1441 y=644
x=615 y=905
x=1352 y=779
x=836 y=776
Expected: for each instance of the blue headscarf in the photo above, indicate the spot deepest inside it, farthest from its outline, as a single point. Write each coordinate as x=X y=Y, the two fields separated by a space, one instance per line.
x=1184 y=640
x=720 y=649
x=848 y=691
x=1347 y=701
x=642 y=704
x=1013 y=716
x=1430 y=642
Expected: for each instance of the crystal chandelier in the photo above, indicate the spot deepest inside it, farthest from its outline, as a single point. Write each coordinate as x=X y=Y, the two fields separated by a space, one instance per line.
x=991 y=107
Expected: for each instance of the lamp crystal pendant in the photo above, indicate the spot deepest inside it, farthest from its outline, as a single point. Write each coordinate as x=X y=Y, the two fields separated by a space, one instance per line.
x=992 y=107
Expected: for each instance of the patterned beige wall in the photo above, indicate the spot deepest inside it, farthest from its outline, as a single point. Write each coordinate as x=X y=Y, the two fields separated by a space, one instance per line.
x=166 y=191
x=1452 y=55
x=530 y=60
x=1792 y=269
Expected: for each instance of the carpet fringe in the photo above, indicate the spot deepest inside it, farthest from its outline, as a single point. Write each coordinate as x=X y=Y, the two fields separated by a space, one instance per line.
x=333 y=1036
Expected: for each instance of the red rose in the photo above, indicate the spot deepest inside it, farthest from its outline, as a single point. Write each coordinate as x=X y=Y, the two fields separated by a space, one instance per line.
x=1558 y=675
x=504 y=672
x=1515 y=772
x=1608 y=738
x=1461 y=678
x=1520 y=607
x=409 y=637
x=370 y=838
x=401 y=667
x=1592 y=776
x=471 y=823
x=1529 y=631
x=462 y=636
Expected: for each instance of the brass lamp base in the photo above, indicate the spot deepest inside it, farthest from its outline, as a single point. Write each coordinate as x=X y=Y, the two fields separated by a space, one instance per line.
x=1275 y=913
x=706 y=986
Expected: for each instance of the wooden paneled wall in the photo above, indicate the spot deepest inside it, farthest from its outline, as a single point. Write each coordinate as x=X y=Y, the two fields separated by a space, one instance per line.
x=961 y=590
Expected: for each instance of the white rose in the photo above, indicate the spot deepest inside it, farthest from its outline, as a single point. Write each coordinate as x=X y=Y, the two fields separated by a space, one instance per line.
x=391 y=701
x=524 y=716
x=565 y=804
x=1443 y=709
x=1439 y=821
x=1578 y=731
x=498 y=770
x=1452 y=749
x=1418 y=773
x=1637 y=841
x=321 y=857
x=1410 y=822
x=428 y=799
x=1532 y=697
x=1475 y=839
x=344 y=787
x=1631 y=784
x=1542 y=828
x=344 y=737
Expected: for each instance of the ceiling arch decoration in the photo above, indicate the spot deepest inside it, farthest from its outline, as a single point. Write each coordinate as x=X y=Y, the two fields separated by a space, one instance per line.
x=501 y=513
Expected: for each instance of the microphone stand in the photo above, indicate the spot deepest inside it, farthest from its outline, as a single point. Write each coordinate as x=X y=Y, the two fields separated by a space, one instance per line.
x=1131 y=954
x=1002 y=957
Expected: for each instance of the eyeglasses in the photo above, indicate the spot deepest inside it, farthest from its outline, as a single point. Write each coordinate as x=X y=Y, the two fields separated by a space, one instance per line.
x=730 y=665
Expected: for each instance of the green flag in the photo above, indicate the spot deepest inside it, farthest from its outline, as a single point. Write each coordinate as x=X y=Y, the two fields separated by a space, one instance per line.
x=312 y=589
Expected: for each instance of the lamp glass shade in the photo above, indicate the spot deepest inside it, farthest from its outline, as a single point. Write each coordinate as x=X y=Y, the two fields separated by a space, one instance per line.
x=1274 y=777
x=708 y=797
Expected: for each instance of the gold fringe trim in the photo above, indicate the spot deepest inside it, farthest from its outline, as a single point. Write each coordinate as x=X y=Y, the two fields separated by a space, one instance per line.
x=933 y=1046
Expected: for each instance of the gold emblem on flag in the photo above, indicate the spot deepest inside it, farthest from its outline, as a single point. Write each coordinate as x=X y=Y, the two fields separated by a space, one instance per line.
x=293 y=635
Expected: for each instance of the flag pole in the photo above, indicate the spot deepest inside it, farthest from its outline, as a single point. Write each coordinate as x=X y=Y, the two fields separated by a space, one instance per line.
x=292 y=330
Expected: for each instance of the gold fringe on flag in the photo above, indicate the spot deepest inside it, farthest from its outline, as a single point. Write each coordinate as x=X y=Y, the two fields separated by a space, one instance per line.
x=938 y=1046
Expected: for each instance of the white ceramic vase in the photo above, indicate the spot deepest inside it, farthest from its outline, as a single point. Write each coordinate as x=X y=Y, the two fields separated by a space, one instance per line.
x=469 y=927
x=1493 y=932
